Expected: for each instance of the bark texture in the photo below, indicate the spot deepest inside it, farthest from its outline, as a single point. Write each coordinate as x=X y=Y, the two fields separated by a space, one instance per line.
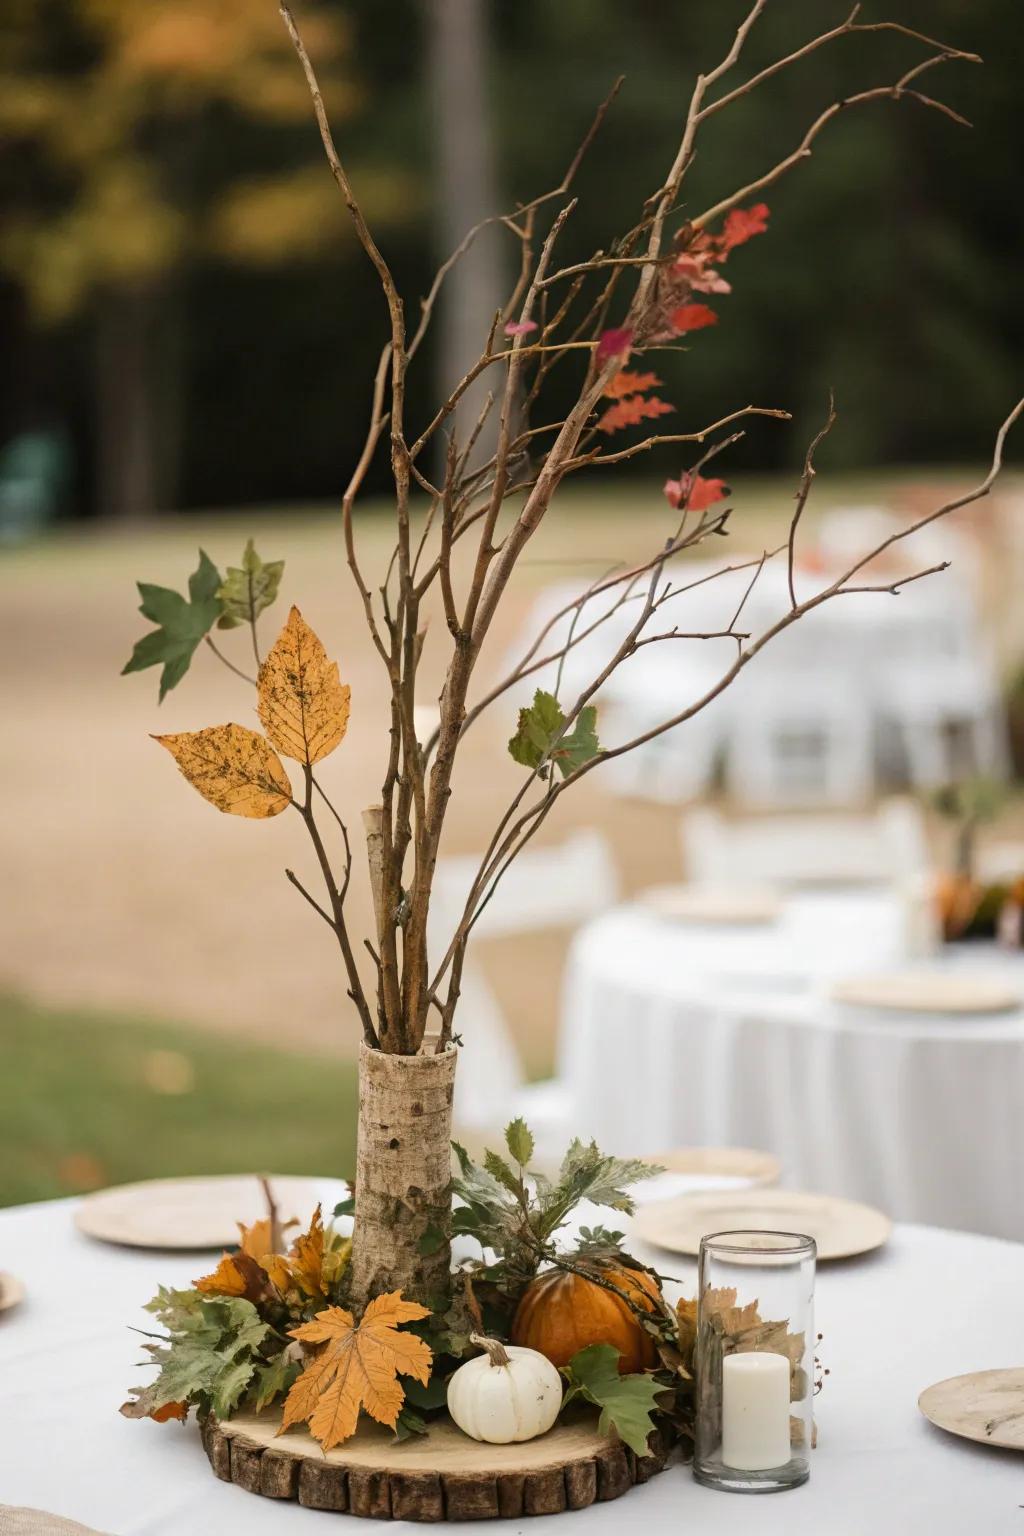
x=571 y=1467
x=403 y=1177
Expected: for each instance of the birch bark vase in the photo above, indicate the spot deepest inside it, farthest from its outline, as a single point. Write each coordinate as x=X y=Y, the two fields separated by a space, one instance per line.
x=403 y=1177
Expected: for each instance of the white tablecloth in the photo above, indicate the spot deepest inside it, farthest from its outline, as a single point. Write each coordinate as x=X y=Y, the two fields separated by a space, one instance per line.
x=680 y=1035
x=933 y=1304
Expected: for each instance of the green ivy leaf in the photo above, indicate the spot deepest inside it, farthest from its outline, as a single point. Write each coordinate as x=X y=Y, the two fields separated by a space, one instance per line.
x=249 y=588
x=273 y=1380
x=626 y=1402
x=432 y=1396
x=519 y=1141
x=539 y=738
x=182 y=624
x=431 y=1240
x=409 y=1423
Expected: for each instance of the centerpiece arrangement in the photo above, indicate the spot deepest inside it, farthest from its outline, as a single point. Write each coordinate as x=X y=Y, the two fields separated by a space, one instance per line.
x=384 y=1328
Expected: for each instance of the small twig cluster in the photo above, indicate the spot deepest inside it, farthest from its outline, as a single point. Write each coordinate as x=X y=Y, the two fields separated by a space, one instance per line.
x=553 y=317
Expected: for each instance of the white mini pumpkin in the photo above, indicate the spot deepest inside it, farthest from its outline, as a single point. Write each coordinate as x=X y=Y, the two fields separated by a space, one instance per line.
x=507 y=1393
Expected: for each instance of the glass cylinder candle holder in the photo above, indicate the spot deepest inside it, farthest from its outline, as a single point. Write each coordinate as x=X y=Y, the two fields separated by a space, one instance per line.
x=755 y=1361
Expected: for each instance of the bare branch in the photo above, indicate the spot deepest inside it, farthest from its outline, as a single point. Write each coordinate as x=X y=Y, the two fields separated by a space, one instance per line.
x=804 y=488
x=803 y=150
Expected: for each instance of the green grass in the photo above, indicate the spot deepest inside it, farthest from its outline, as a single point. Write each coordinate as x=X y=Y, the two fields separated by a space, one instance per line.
x=88 y=1100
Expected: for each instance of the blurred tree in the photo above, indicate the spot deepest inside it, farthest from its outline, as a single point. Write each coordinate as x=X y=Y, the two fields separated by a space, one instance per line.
x=466 y=191
x=129 y=131
x=163 y=182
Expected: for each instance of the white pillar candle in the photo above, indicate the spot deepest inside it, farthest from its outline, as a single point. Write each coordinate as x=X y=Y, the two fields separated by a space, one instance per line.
x=755 y=1411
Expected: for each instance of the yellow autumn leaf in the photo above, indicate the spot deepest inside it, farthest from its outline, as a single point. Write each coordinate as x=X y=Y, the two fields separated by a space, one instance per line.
x=234 y=768
x=302 y=704
x=357 y=1368
x=306 y=1260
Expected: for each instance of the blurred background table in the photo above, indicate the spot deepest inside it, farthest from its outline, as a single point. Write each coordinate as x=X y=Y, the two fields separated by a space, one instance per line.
x=686 y=1034
x=68 y=1355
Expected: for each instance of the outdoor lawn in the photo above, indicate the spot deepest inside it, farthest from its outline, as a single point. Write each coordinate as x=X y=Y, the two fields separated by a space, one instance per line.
x=89 y=1100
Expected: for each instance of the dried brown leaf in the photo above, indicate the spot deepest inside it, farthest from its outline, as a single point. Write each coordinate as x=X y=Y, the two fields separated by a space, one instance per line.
x=302 y=704
x=234 y=768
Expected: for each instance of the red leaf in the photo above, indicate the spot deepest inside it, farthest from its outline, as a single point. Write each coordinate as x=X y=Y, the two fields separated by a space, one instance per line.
x=626 y=383
x=629 y=413
x=741 y=224
x=691 y=317
x=611 y=343
x=703 y=493
x=520 y=327
x=170 y=1411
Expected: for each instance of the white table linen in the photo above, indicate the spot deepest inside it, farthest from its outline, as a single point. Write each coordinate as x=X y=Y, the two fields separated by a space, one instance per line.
x=931 y=1305
x=680 y=1034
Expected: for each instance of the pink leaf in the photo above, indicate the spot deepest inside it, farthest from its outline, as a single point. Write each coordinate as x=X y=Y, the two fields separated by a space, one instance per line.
x=614 y=343
x=520 y=327
x=700 y=275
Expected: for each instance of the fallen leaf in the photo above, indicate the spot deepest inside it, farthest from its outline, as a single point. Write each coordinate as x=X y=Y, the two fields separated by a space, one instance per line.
x=626 y=383
x=232 y=767
x=691 y=317
x=629 y=413
x=702 y=493
x=357 y=1368
x=302 y=705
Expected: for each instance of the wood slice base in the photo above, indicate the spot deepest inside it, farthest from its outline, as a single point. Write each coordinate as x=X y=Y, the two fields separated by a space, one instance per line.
x=442 y=1475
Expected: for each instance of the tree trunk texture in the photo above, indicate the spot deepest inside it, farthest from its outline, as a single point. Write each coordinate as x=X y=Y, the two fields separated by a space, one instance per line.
x=402 y=1231
x=127 y=427
x=464 y=171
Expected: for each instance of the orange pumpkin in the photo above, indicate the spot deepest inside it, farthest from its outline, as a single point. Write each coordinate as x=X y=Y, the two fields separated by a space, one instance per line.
x=561 y=1313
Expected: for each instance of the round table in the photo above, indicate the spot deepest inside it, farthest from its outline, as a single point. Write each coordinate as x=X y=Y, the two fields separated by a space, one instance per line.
x=930 y=1305
x=687 y=1034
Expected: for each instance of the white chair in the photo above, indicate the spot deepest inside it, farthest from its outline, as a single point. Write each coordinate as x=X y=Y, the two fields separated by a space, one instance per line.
x=809 y=743
x=939 y=694
x=545 y=888
x=888 y=846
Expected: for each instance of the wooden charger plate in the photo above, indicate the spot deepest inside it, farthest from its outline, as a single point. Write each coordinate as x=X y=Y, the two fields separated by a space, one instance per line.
x=987 y=1406
x=759 y=1168
x=841 y=1228
x=11 y=1291
x=928 y=992
x=193 y=1213
x=713 y=904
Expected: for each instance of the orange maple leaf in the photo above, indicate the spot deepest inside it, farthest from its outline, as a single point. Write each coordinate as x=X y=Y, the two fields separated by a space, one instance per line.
x=629 y=413
x=238 y=1274
x=306 y=1260
x=627 y=383
x=357 y=1368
